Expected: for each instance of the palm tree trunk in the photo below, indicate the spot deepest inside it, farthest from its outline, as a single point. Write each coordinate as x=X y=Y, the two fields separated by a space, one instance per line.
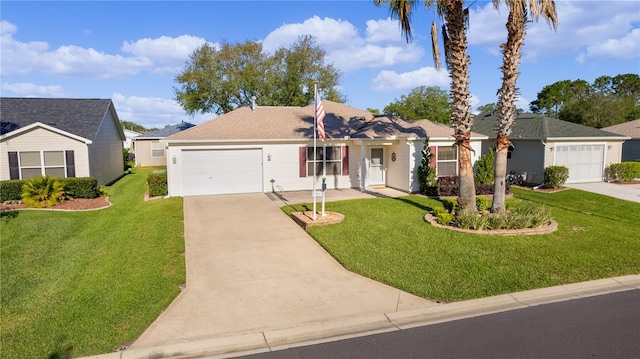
x=458 y=61
x=512 y=51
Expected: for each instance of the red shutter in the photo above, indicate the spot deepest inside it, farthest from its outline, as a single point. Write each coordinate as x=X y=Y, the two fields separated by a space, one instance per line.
x=303 y=161
x=433 y=159
x=345 y=160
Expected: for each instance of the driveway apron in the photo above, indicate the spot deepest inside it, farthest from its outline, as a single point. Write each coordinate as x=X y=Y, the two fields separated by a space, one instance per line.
x=250 y=269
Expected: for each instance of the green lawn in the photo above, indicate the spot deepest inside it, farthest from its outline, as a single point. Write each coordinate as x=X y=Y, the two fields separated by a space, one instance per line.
x=90 y=281
x=388 y=240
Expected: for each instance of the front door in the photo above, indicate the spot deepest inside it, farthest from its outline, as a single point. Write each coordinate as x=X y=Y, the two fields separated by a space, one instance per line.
x=376 y=167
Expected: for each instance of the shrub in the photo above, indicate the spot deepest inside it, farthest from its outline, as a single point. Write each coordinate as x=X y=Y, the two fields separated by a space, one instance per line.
x=620 y=172
x=636 y=169
x=482 y=203
x=157 y=184
x=447 y=185
x=444 y=218
x=555 y=176
x=11 y=190
x=476 y=221
x=81 y=187
x=438 y=210
x=42 y=191
x=426 y=174
x=485 y=168
x=450 y=204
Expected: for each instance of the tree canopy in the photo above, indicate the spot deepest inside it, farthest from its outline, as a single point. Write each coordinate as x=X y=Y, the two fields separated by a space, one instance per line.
x=605 y=102
x=221 y=79
x=431 y=103
x=135 y=127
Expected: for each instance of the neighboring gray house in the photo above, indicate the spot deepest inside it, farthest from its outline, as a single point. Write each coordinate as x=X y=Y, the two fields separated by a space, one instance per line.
x=60 y=137
x=149 y=151
x=630 y=148
x=540 y=142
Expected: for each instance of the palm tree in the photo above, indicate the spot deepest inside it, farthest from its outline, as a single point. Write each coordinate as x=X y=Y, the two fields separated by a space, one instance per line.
x=506 y=109
x=454 y=33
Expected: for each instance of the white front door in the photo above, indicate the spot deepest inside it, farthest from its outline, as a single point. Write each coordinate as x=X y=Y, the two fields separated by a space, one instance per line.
x=376 y=167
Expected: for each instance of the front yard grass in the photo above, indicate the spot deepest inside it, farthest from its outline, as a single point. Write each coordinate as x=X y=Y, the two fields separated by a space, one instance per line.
x=80 y=283
x=387 y=240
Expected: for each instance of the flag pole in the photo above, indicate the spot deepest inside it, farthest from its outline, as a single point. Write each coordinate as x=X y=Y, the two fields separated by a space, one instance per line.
x=315 y=111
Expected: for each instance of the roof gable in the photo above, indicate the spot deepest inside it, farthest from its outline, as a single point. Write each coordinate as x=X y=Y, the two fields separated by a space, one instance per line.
x=286 y=123
x=534 y=126
x=80 y=117
x=46 y=127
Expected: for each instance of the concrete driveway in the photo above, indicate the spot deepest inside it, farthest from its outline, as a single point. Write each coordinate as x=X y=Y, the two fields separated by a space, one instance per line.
x=251 y=269
x=629 y=192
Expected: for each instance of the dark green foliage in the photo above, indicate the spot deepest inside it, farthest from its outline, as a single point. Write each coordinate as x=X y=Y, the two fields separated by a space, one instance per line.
x=636 y=168
x=157 y=184
x=555 y=176
x=426 y=174
x=485 y=168
x=449 y=205
x=431 y=103
x=80 y=187
x=135 y=127
x=42 y=191
x=11 y=190
x=482 y=203
x=620 y=172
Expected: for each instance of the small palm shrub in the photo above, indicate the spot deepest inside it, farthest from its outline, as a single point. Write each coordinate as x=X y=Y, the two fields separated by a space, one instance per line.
x=520 y=216
x=555 y=176
x=43 y=191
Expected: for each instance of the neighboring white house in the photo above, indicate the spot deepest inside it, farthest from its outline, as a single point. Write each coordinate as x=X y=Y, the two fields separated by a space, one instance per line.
x=60 y=137
x=129 y=136
x=631 y=147
x=265 y=149
x=540 y=142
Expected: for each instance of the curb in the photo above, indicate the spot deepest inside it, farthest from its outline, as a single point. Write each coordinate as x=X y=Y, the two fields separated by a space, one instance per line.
x=278 y=339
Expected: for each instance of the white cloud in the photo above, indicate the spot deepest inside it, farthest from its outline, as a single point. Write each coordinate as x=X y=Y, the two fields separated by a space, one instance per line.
x=155 y=55
x=345 y=47
x=581 y=24
x=425 y=76
x=627 y=47
x=24 y=89
x=153 y=112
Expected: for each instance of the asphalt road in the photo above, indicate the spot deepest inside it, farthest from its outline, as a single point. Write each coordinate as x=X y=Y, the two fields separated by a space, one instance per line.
x=606 y=326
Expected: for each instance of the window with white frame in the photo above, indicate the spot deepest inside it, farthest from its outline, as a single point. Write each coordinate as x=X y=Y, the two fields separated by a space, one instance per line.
x=157 y=149
x=39 y=163
x=333 y=161
x=447 y=161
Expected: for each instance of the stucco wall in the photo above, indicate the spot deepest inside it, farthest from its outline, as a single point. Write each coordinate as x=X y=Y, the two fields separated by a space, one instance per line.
x=144 y=156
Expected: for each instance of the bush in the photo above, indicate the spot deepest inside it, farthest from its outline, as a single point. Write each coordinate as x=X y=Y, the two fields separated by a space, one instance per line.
x=476 y=221
x=450 y=205
x=80 y=187
x=157 y=184
x=426 y=174
x=42 y=191
x=482 y=203
x=444 y=218
x=485 y=168
x=11 y=190
x=555 y=176
x=524 y=215
x=636 y=169
x=620 y=172
x=447 y=186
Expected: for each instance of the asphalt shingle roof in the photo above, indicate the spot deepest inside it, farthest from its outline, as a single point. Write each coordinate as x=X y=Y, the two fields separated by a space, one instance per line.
x=630 y=129
x=81 y=117
x=286 y=123
x=534 y=126
x=167 y=131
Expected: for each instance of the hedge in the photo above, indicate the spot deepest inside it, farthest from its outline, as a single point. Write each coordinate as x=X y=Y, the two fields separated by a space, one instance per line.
x=11 y=190
x=74 y=187
x=157 y=184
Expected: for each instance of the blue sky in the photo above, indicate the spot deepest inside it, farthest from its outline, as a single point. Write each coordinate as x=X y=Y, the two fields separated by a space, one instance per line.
x=130 y=51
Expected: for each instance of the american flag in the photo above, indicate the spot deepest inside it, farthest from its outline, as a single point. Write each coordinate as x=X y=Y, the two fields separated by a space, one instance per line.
x=319 y=118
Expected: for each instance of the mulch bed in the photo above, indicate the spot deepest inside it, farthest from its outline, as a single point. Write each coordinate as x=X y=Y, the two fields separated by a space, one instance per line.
x=75 y=204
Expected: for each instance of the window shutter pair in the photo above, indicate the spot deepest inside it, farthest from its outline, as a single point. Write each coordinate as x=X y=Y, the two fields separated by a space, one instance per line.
x=14 y=168
x=303 y=161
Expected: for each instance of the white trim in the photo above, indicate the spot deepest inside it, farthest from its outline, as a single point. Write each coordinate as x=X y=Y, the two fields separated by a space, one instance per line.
x=46 y=127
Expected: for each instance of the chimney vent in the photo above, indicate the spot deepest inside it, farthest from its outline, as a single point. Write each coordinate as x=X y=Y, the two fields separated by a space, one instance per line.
x=253 y=104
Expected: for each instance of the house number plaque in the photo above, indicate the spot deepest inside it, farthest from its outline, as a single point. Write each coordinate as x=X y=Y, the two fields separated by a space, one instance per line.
x=393 y=156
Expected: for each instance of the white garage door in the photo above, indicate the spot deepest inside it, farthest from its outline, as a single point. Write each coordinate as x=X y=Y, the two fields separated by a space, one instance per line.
x=221 y=171
x=585 y=162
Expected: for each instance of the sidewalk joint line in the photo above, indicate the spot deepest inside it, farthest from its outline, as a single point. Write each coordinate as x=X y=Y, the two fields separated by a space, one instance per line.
x=516 y=299
x=398 y=300
x=392 y=323
x=266 y=342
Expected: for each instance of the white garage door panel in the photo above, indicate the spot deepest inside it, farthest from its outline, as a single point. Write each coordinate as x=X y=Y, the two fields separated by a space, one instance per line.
x=585 y=162
x=221 y=171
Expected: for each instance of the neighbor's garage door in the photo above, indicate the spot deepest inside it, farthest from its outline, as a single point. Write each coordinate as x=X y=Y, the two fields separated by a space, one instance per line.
x=585 y=162
x=221 y=171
